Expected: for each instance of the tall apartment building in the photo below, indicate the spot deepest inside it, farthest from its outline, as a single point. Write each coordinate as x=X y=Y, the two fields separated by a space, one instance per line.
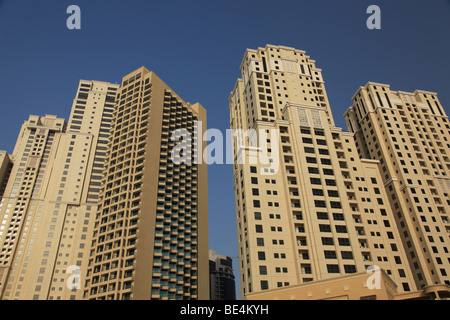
x=51 y=198
x=314 y=211
x=150 y=237
x=409 y=133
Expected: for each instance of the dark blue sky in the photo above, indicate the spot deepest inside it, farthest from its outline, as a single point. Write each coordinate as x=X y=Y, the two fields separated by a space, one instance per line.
x=196 y=47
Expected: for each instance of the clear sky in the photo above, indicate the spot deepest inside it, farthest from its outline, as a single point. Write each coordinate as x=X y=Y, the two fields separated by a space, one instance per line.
x=196 y=47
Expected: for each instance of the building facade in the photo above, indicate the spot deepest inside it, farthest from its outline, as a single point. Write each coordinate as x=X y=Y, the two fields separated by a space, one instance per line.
x=51 y=198
x=408 y=133
x=5 y=170
x=150 y=236
x=307 y=207
x=221 y=277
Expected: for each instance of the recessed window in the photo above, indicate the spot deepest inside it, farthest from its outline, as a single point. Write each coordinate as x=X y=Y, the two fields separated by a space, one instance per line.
x=330 y=254
x=317 y=192
x=327 y=241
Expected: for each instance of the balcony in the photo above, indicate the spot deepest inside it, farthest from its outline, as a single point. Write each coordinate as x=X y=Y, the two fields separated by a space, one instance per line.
x=360 y=231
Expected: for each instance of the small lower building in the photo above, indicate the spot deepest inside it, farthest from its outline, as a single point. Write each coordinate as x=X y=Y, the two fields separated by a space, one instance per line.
x=222 y=284
x=359 y=286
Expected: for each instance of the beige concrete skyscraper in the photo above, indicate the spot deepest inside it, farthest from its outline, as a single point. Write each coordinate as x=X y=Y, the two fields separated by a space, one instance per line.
x=409 y=133
x=314 y=211
x=150 y=237
x=51 y=198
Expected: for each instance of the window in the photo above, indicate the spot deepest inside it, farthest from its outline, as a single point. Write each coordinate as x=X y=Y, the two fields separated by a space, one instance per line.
x=254 y=180
x=262 y=270
x=347 y=255
x=260 y=242
x=311 y=160
x=349 y=268
x=324 y=228
x=332 y=268
x=313 y=170
x=330 y=254
x=317 y=192
x=344 y=241
x=333 y=193
x=264 y=285
x=320 y=204
x=322 y=215
x=319 y=132
x=335 y=204
x=261 y=255
x=305 y=131
x=315 y=181
x=338 y=216
x=326 y=241
x=259 y=228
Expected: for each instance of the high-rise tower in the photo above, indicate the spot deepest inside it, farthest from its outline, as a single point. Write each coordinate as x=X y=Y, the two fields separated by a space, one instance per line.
x=51 y=198
x=307 y=207
x=150 y=237
x=408 y=133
